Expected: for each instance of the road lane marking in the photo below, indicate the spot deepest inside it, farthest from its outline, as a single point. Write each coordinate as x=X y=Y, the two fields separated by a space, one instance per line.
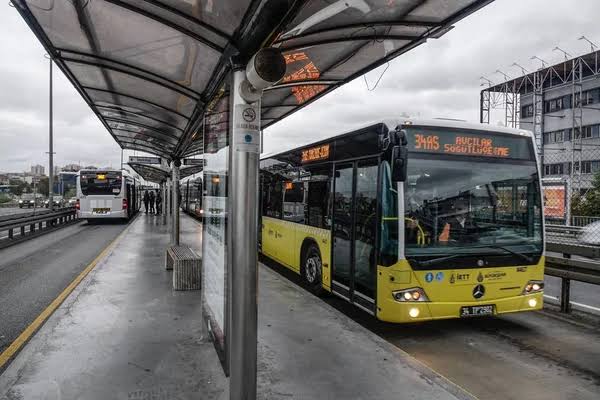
x=574 y=303
x=16 y=345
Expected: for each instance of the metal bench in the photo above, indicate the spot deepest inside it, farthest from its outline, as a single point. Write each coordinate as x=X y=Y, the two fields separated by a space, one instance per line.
x=186 y=266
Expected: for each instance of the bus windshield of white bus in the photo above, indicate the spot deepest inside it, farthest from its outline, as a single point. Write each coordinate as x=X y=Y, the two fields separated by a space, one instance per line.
x=94 y=183
x=472 y=208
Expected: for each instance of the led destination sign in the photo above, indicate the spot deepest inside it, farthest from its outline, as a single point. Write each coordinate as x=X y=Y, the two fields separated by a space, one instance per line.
x=315 y=153
x=478 y=144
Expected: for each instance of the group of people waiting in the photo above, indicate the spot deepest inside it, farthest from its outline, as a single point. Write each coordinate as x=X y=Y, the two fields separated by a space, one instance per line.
x=150 y=200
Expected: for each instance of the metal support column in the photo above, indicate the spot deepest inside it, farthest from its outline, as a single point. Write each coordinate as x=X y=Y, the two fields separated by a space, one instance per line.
x=168 y=197
x=565 y=295
x=538 y=113
x=243 y=222
x=51 y=150
x=577 y=133
x=175 y=197
x=165 y=202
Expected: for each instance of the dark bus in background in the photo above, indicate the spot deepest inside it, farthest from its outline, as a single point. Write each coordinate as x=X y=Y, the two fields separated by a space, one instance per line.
x=205 y=198
x=191 y=196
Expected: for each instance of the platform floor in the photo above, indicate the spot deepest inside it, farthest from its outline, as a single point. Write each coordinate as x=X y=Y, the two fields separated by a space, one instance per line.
x=125 y=334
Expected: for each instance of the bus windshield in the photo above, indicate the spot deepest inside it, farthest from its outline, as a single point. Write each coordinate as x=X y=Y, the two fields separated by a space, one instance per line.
x=468 y=208
x=100 y=183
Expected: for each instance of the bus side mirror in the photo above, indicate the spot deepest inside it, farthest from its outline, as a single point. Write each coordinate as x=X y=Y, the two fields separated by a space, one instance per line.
x=399 y=163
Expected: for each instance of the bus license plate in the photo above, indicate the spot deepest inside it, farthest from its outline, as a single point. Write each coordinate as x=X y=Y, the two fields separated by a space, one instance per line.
x=476 y=311
x=101 y=210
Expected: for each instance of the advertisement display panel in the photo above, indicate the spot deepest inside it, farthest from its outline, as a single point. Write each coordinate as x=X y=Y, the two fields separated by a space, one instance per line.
x=555 y=195
x=214 y=238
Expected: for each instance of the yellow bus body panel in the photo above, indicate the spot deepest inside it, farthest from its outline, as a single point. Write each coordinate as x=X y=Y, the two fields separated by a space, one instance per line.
x=449 y=290
x=282 y=241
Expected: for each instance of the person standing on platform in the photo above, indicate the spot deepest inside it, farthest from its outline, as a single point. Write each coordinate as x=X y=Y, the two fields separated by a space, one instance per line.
x=146 y=199
x=152 y=202
x=158 y=202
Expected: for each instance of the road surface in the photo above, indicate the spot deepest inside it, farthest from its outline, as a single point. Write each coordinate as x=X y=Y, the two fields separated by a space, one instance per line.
x=533 y=356
x=33 y=273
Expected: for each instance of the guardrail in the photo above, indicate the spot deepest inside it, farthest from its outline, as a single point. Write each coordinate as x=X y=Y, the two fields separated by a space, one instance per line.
x=563 y=239
x=563 y=229
x=578 y=220
x=568 y=269
x=23 y=227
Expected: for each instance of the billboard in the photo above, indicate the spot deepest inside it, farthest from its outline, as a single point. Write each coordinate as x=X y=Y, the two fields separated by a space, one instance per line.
x=214 y=229
x=555 y=200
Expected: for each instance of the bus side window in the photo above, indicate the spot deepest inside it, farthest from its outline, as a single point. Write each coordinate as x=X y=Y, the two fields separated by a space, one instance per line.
x=318 y=204
x=273 y=200
x=293 y=202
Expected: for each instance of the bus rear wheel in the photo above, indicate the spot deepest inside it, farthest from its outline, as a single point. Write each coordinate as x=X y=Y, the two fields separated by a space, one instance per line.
x=312 y=268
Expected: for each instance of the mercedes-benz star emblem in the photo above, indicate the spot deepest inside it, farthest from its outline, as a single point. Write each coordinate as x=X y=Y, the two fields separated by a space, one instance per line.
x=478 y=291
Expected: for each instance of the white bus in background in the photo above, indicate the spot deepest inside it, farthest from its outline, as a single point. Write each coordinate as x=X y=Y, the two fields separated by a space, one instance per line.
x=107 y=194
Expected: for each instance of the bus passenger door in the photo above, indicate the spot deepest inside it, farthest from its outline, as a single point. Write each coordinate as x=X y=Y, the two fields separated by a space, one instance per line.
x=354 y=232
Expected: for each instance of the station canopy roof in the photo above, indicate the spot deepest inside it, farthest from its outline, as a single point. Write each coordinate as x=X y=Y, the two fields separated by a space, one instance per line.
x=156 y=174
x=150 y=69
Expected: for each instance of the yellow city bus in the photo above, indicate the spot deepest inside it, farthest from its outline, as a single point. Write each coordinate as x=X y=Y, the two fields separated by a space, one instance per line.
x=411 y=220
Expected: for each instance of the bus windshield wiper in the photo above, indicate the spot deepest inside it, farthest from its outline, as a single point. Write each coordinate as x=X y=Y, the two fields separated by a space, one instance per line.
x=432 y=261
x=520 y=255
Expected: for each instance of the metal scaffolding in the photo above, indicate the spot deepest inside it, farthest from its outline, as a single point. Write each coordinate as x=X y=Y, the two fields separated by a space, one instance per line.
x=570 y=74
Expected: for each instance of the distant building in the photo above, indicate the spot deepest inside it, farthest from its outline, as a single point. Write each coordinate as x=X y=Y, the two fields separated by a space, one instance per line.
x=64 y=182
x=4 y=180
x=57 y=170
x=560 y=104
x=90 y=167
x=71 y=168
x=16 y=176
x=38 y=170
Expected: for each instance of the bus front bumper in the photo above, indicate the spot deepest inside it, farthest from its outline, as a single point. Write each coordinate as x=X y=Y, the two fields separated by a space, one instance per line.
x=394 y=311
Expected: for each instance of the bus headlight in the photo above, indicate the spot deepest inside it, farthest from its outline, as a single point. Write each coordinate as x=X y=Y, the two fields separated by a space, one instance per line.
x=410 y=295
x=533 y=287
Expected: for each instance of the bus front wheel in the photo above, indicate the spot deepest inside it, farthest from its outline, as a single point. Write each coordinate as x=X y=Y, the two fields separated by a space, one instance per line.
x=312 y=269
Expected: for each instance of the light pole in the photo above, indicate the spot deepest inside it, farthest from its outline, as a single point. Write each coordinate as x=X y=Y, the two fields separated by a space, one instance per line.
x=592 y=44
x=567 y=55
x=539 y=59
x=523 y=70
x=50 y=145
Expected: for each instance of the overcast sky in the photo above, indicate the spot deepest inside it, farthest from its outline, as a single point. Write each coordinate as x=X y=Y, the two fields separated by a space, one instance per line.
x=438 y=79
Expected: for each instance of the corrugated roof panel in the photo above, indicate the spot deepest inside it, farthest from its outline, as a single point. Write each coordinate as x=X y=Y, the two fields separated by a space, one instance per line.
x=153 y=70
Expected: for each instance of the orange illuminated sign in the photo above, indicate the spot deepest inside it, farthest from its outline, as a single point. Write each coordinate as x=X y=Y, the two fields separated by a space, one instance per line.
x=464 y=145
x=304 y=93
x=289 y=185
x=315 y=153
x=554 y=201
